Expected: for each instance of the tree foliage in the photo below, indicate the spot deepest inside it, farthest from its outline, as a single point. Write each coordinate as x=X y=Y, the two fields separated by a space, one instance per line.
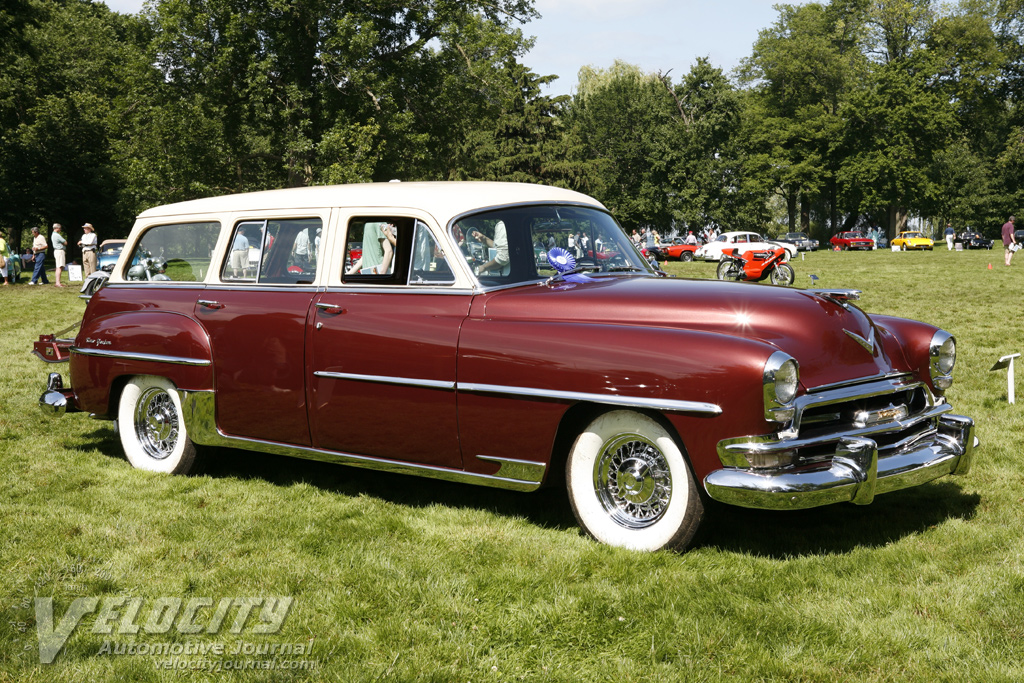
x=845 y=112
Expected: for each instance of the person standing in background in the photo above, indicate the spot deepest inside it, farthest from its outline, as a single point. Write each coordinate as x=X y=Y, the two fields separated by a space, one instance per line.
x=1009 y=240
x=60 y=246
x=8 y=265
x=39 y=259
x=88 y=243
x=949 y=236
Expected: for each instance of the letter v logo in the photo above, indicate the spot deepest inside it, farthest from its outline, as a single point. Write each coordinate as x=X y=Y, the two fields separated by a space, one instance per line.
x=52 y=640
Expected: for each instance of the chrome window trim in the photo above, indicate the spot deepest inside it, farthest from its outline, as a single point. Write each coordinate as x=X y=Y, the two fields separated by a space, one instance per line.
x=146 y=357
x=156 y=284
x=351 y=287
x=381 y=379
x=198 y=413
x=624 y=401
x=265 y=287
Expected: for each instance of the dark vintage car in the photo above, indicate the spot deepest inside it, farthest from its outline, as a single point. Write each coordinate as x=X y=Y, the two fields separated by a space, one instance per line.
x=973 y=240
x=451 y=349
x=800 y=240
x=852 y=239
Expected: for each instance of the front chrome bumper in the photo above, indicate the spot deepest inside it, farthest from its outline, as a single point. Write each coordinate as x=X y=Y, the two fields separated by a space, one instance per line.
x=856 y=474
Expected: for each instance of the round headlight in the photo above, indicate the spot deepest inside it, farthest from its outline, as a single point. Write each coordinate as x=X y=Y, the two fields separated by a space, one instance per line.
x=942 y=352
x=786 y=378
x=946 y=356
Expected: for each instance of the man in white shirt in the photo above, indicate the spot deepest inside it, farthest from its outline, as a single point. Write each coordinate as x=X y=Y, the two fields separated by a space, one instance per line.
x=39 y=247
x=88 y=243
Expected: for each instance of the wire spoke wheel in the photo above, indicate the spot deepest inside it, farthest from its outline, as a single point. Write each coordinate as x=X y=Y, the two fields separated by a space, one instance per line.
x=633 y=481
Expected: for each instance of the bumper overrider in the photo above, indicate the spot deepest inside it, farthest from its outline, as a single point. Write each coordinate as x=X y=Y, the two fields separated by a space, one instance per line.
x=853 y=465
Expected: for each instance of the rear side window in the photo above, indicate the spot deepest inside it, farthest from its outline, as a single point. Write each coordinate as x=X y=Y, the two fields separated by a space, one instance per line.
x=277 y=251
x=173 y=253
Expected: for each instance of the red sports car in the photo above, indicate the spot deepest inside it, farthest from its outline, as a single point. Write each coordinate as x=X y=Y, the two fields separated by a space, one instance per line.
x=852 y=240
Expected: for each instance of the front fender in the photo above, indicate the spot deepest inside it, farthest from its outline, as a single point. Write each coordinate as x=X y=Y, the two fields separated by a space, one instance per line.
x=550 y=363
x=107 y=350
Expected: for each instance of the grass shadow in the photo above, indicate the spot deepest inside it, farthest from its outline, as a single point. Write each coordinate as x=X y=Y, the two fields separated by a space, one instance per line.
x=836 y=529
x=547 y=507
x=829 y=530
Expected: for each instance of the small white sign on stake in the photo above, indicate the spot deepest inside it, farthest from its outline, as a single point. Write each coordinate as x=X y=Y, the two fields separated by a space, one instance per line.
x=1007 y=362
x=74 y=273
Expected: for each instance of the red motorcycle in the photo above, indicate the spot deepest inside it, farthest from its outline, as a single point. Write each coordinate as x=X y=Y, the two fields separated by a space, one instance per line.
x=755 y=266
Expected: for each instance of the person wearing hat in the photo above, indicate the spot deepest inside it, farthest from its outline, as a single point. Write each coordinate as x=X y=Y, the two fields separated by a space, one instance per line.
x=88 y=243
x=60 y=246
x=39 y=247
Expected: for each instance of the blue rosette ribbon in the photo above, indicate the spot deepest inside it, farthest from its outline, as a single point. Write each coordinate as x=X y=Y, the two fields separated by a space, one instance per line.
x=564 y=262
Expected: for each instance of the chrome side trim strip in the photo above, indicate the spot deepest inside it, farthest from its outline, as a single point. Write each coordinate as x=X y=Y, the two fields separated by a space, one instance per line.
x=148 y=357
x=625 y=401
x=198 y=408
x=520 y=470
x=404 y=381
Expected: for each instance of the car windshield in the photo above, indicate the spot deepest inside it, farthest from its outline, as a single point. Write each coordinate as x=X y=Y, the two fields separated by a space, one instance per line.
x=911 y=234
x=512 y=245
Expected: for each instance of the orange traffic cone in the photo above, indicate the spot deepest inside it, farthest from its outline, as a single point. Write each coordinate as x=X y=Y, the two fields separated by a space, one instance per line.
x=990 y=266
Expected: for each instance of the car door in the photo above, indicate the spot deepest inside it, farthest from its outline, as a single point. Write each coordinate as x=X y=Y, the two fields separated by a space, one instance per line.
x=383 y=342
x=256 y=313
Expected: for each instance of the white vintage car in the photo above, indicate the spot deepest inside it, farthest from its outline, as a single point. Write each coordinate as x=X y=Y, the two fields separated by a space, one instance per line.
x=744 y=241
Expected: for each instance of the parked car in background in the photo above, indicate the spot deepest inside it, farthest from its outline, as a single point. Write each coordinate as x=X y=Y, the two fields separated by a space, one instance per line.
x=744 y=241
x=109 y=252
x=852 y=239
x=678 y=251
x=800 y=240
x=456 y=352
x=912 y=239
x=973 y=240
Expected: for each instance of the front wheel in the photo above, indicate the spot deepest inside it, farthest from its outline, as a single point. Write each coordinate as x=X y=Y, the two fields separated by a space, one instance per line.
x=686 y=256
x=630 y=486
x=152 y=429
x=728 y=270
x=783 y=274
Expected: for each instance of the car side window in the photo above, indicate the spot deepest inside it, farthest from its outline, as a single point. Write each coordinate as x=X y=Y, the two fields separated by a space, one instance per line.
x=276 y=251
x=173 y=253
x=430 y=266
x=378 y=250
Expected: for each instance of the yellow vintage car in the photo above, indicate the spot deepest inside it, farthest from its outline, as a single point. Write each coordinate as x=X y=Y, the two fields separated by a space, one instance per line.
x=912 y=240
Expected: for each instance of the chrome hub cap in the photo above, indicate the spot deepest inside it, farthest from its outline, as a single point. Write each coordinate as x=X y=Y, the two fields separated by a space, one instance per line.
x=156 y=423
x=633 y=481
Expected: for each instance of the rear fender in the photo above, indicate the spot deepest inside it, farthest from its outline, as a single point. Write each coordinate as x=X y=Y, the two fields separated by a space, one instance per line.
x=111 y=349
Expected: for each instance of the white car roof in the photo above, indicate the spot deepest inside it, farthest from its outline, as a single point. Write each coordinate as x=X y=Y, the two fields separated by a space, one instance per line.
x=441 y=199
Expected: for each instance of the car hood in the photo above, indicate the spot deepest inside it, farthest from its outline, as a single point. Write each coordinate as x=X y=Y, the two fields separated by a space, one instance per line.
x=829 y=340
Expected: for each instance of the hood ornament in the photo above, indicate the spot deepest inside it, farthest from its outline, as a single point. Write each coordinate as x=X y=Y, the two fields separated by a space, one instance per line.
x=868 y=344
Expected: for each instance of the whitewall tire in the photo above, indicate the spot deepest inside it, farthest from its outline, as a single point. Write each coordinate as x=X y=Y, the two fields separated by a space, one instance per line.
x=152 y=429
x=630 y=486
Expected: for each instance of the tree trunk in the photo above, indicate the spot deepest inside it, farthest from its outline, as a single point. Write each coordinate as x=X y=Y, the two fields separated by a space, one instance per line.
x=897 y=220
x=791 y=208
x=805 y=213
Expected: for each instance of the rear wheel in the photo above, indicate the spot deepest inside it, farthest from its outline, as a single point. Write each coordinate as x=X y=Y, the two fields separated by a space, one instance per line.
x=152 y=429
x=729 y=270
x=783 y=274
x=630 y=486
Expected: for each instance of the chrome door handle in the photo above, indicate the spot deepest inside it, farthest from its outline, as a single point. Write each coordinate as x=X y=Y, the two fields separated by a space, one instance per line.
x=210 y=304
x=331 y=308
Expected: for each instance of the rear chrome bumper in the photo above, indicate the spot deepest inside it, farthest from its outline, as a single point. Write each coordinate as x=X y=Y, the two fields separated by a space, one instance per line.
x=856 y=473
x=57 y=400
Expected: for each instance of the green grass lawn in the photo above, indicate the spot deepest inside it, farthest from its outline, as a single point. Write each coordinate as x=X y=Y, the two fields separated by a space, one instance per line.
x=405 y=579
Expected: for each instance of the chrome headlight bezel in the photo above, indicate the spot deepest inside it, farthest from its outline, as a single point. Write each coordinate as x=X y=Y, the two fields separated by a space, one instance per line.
x=780 y=380
x=942 y=359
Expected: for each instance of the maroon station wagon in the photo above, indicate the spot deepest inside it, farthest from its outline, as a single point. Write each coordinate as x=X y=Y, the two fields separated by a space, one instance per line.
x=290 y=321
